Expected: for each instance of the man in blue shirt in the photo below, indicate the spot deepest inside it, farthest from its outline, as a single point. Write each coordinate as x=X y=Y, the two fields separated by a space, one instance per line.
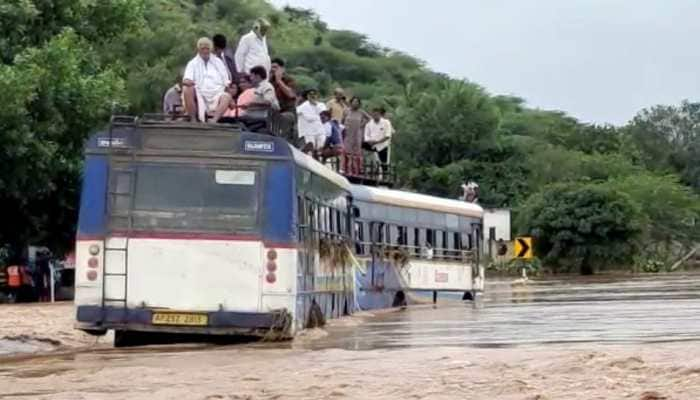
x=333 y=147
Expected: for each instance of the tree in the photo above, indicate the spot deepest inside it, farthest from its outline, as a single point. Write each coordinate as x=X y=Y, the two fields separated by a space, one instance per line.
x=668 y=139
x=454 y=122
x=671 y=210
x=581 y=225
x=55 y=91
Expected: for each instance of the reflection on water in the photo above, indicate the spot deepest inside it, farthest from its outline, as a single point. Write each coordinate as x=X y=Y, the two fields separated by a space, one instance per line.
x=621 y=309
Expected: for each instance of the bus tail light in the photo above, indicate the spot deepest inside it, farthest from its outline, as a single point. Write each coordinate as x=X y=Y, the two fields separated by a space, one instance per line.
x=272 y=254
x=271 y=266
x=91 y=275
x=93 y=262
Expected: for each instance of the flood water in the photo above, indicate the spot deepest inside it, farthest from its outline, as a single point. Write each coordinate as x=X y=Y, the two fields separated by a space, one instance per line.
x=601 y=309
x=595 y=338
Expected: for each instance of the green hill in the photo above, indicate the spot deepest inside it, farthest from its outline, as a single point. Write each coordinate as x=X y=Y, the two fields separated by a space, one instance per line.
x=590 y=194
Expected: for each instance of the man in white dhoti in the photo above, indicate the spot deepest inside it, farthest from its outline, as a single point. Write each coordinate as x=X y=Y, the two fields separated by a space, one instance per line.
x=205 y=81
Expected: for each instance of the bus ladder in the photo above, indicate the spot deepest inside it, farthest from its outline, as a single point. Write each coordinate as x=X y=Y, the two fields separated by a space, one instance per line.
x=109 y=274
x=122 y=275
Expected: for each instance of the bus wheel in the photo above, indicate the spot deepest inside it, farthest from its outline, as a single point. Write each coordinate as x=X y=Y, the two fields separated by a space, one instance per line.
x=315 y=316
x=399 y=299
x=468 y=296
x=126 y=338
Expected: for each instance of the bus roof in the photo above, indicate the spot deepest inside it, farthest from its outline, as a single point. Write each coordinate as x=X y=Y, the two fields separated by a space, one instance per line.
x=305 y=161
x=415 y=200
x=171 y=137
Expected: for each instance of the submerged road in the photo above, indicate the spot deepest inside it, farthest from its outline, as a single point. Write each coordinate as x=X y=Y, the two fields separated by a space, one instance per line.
x=600 y=337
x=598 y=309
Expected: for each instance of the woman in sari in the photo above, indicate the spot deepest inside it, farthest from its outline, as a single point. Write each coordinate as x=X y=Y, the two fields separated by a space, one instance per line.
x=354 y=122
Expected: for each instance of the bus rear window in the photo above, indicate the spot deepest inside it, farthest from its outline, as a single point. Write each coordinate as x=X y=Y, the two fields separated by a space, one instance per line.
x=184 y=197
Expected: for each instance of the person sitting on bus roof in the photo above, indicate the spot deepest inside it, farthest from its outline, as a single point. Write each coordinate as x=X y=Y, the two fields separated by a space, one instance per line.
x=225 y=54
x=172 y=100
x=232 y=112
x=309 y=123
x=333 y=146
x=264 y=98
x=206 y=79
x=252 y=48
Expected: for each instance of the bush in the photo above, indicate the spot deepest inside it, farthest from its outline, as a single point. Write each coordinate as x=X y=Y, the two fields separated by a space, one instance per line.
x=583 y=226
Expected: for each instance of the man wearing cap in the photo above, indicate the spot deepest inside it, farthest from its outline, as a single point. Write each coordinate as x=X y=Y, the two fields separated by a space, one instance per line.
x=205 y=81
x=337 y=105
x=252 y=48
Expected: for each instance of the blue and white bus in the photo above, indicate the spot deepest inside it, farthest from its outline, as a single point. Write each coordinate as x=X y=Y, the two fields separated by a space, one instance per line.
x=408 y=242
x=195 y=228
x=210 y=229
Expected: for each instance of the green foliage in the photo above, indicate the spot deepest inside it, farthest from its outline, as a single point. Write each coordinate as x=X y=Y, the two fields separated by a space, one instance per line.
x=667 y=139
x=457 y=121
x=582 y=225
x=55 y=91
x=670 y=209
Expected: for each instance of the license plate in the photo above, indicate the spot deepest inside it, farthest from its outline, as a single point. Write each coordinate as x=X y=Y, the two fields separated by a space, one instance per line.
x=171 y=318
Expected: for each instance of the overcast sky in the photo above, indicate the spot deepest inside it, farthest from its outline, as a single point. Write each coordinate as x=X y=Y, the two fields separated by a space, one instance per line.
x=599 y=60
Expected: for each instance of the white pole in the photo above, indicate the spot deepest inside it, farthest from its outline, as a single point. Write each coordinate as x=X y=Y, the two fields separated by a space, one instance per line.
x=51 y=280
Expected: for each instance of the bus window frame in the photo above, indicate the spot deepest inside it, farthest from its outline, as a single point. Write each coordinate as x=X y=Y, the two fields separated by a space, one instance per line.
x=213 y=163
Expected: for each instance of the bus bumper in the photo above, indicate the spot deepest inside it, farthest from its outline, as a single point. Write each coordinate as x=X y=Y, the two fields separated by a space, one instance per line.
x=97 y=318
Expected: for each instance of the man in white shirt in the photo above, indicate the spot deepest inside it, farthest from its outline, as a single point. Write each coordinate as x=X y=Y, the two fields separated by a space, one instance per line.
x=252 y=48
x=377 y=138
x=205 y=81
x=309 y=123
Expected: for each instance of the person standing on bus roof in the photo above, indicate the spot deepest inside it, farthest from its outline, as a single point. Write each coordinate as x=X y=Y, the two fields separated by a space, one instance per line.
x=337 y=105
x=377 y=136
x=225 y=54
x=285 y=89
x=354 y=120
x=206 y=79
x=252 y=48
x=309 y=122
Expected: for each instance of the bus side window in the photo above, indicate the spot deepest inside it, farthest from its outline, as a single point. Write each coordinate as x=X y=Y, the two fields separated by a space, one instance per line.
x=359 y=238
x=330 y=221
x=457 y=245
x=416 y=241
x=393 y=234
x=438 y=245
x=445 y=245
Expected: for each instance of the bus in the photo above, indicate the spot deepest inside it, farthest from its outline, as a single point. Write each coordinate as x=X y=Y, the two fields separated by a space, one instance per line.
x=208 y=229
x=408 y=242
